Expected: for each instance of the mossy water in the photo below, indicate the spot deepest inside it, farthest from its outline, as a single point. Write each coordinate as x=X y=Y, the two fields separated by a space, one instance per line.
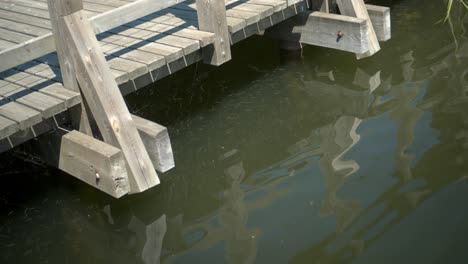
x=281 y=157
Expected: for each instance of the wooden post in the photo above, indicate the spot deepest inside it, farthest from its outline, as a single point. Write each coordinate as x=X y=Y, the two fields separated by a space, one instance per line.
x=94 y=162
x=58 y=9
x=156 y=140
x=98 y=87
x=357 y=8
x=212 y=18
x=380 y=17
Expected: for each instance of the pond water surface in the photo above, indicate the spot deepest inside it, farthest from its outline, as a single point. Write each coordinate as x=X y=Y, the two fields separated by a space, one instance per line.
x=281 y=157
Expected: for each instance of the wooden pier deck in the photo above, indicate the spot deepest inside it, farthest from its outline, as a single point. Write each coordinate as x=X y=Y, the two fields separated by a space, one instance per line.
x=139 y=53
x=72 y=61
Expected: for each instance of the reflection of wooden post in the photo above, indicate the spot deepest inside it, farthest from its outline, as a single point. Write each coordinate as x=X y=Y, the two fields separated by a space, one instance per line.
x=212 y=18
x=338 y=139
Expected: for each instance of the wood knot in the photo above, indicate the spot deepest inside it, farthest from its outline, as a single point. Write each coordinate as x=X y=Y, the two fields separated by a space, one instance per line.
x=116 y=126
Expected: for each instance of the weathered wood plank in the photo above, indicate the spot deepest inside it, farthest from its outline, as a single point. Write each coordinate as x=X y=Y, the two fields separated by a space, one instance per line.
x=23 y=115
x=25 y=19
x=156 y=140
x=7 y=127
x=48 y=106
x=105 y=102
x=323 y=29
x=380 y=18
x=92 y=161
x=129 y=12
x=13 y=36
x=212 y=18
x=357 y=8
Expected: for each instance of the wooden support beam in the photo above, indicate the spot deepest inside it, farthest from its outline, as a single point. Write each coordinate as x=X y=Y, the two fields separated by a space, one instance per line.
x=324 y=29
x=212 y=18
x=357 y=8
x=380 y=17
x=102 y=94
x=156 y=140
x=94 y=162
x=58 y=9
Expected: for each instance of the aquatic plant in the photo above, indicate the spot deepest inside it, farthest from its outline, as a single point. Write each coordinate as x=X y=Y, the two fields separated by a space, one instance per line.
x=449 y=8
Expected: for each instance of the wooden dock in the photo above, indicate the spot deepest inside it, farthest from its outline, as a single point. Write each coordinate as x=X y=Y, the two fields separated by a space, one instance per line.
x=63 y=63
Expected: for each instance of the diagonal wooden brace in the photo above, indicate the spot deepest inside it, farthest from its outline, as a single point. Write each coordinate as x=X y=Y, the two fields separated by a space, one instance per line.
x=105 y=102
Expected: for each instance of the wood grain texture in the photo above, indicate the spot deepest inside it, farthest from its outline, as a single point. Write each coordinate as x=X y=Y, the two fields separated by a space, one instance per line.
x=322 y=30
x=94 y=162
x=380 y=17
x=357 y=8
x=157 y=143
x=212 y=18
x=58 y=9
x=106 y=103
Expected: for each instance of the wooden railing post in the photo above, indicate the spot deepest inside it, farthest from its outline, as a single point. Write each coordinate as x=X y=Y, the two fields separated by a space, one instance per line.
x=212 y=18
x=58 y=9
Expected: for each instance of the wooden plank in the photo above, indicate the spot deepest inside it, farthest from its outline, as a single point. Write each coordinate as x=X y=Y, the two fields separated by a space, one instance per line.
x=26 y=51
x=205 y=38
x=24 y=116
x=380 y=18
x=156 y=140
x=212 y=18
x=152 y=61
x=105 y=102
x=132 y=11
x=44 y=43
x=7 y=127
x=4 y=44
x=23 y=28
x=48 y=106
x=94 y=162
x=25 y=10
x=322 y=29
x=357 y=8
x=13 y=36
x=262 y=10
x=27 y=3
x=277 y=5
x=25 y=19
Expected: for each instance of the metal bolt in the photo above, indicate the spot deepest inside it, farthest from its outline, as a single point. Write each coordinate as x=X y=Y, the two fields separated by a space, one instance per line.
x=339 y=35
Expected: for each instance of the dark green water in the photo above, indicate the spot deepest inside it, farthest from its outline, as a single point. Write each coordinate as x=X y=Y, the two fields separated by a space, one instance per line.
x=280 y=158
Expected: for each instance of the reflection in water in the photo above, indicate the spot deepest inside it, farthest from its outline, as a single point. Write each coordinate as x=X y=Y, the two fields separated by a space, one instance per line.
x=337 y=139
x=149 y=238
x=317 y=159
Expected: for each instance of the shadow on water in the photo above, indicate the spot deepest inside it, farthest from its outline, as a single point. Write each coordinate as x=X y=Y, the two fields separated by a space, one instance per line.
x=305 y=158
